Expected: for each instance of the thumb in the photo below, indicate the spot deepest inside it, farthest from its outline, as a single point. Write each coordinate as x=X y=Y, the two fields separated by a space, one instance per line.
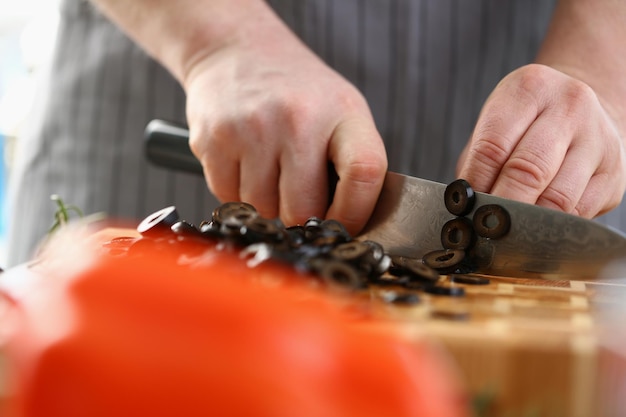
x=358 y=154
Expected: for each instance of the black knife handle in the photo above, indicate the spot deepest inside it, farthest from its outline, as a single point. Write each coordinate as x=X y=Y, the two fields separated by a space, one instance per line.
x=167 y=145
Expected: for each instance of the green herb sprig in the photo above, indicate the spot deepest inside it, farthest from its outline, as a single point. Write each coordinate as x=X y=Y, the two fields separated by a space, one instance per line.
x=62 y=214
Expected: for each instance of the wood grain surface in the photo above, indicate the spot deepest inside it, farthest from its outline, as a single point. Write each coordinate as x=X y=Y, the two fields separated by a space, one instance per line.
x=534 y=347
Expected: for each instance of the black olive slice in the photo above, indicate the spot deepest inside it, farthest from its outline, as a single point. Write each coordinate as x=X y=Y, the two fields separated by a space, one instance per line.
x=391 y=281
x=184 y=228
x=444 y=260
x=337 y=228
x=459 y=197
x=458 y=234
x=260 y=229
x=492 y=221
x=447 y=291
x=336 y=272
x=158 y=222
x=351 y=251
x=242 y=211
x=464 y=279
x=404 y=298
x=415 y=268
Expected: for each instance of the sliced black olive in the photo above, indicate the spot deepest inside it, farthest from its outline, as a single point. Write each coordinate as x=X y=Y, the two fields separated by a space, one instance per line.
x=185 y=228
x=295 y=235
x=260 y=229
x=233 y=227
x=404 y=298
x=391 y=281
x=458 y=234
x=376 y=252
x=240 y=210
x=336 y=228
x=313 y=222
x=351 y=251
x=336 y=272
x=459 y=197
x=447 y=291
x=416 y=269
x=313 y=232
x=464 y=279
x=382 y=266
x=210 y=230
x=492 y=221
x=322 y=237
x=158 y=222
x=444 y=260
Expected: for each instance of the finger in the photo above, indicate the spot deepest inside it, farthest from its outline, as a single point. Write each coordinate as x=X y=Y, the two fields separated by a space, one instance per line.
x=221 y=169
x=572 y=179
x=303 y=186
x=535 y=161
x=501 y=124
x=595 y=201
x=222 y=178
x=259 y=182
x=358 y=154
x=605 y=189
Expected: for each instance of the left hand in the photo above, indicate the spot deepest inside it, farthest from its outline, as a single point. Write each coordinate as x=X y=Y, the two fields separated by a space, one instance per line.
x=545 y=138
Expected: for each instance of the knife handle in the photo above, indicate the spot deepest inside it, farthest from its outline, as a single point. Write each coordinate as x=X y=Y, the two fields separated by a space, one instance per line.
x=167 y=145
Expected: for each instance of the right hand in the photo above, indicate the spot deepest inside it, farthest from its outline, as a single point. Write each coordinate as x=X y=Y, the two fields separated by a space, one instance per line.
x=266 y=116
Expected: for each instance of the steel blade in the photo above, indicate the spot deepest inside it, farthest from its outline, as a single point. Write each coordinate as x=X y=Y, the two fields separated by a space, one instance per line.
x=542 y=243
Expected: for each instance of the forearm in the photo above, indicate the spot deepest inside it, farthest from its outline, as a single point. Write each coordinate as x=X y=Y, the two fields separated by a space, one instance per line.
x=180 y=33
x=587 y=40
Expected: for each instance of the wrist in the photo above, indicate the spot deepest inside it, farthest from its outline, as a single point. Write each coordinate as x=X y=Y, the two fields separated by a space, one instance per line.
x=179 y=34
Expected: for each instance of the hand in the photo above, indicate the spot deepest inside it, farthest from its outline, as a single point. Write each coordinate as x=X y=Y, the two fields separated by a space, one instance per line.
x=545 y=138
x=266 y=116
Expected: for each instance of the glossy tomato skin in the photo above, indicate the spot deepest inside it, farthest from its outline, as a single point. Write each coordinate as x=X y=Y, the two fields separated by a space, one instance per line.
x=143 y=336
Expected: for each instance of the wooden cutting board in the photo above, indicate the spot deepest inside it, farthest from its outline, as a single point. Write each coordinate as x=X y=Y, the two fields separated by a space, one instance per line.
x=530 y=347
x=526 y=347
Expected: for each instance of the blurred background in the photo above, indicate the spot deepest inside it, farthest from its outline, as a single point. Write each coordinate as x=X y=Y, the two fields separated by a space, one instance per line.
x=27 y=32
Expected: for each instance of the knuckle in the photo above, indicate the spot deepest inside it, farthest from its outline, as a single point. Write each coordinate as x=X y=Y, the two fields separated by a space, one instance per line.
x=529 y=171
x=588 y=208
x=213 y=136
x=559 y=199
x=367 y=170
x=578 y=96
x=302 y=114
x=350 y=99
x=531 y=79
x=487 y=149
x=295 y=114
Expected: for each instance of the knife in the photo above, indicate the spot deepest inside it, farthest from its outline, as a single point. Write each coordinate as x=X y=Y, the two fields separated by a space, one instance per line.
x=410 y=214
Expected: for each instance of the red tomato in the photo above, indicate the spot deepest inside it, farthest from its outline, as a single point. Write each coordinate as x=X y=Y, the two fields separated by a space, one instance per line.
x=144 y=336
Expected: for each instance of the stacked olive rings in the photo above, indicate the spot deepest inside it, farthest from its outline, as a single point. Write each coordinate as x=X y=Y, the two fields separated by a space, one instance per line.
x=459 y=235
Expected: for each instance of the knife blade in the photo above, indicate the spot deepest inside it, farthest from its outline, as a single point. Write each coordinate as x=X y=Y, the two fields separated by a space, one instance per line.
x=411 y=212
x=541 y=243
